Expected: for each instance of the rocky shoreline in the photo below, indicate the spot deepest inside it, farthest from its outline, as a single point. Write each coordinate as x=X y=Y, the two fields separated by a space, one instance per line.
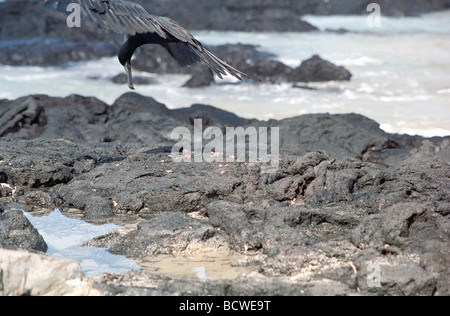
x=346 y=196
x=349 y=210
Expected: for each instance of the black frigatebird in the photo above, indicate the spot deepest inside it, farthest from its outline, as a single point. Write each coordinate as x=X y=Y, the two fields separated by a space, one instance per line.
x=141 y=27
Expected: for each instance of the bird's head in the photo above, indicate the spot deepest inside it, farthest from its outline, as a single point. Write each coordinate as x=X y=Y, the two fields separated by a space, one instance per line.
x=126 y=63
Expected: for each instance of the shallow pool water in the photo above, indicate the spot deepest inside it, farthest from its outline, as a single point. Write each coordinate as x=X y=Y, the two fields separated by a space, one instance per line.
x=65 y=236
x=203 y=266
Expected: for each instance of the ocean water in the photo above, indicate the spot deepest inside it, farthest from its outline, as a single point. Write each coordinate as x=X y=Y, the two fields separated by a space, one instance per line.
x=401 y=75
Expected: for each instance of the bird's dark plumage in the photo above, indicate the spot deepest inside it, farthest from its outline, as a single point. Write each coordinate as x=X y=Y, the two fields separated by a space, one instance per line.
x=141 y=27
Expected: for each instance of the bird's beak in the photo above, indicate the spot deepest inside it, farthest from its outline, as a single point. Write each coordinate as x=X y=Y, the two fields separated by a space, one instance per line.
x=127 y=67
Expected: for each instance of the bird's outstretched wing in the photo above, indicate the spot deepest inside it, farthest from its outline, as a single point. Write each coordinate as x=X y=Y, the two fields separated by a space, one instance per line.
x=126 y=17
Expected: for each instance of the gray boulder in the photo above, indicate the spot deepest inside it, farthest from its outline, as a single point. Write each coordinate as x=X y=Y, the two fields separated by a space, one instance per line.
x=23 y=273
x=317 y=69
x=16 y=232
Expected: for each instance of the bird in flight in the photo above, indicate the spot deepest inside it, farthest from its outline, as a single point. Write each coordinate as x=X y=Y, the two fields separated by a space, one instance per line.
x=141 y=27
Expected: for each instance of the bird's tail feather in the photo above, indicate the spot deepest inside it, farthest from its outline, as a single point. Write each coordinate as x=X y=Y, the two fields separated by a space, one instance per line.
x=231 y=70
x=187 y=55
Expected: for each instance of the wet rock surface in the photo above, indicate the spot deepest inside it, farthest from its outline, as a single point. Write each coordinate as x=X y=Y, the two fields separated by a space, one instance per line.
x=350 y=210
x=317 y=69
x=275 y=15
x=33 y=35
x=232 y=15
